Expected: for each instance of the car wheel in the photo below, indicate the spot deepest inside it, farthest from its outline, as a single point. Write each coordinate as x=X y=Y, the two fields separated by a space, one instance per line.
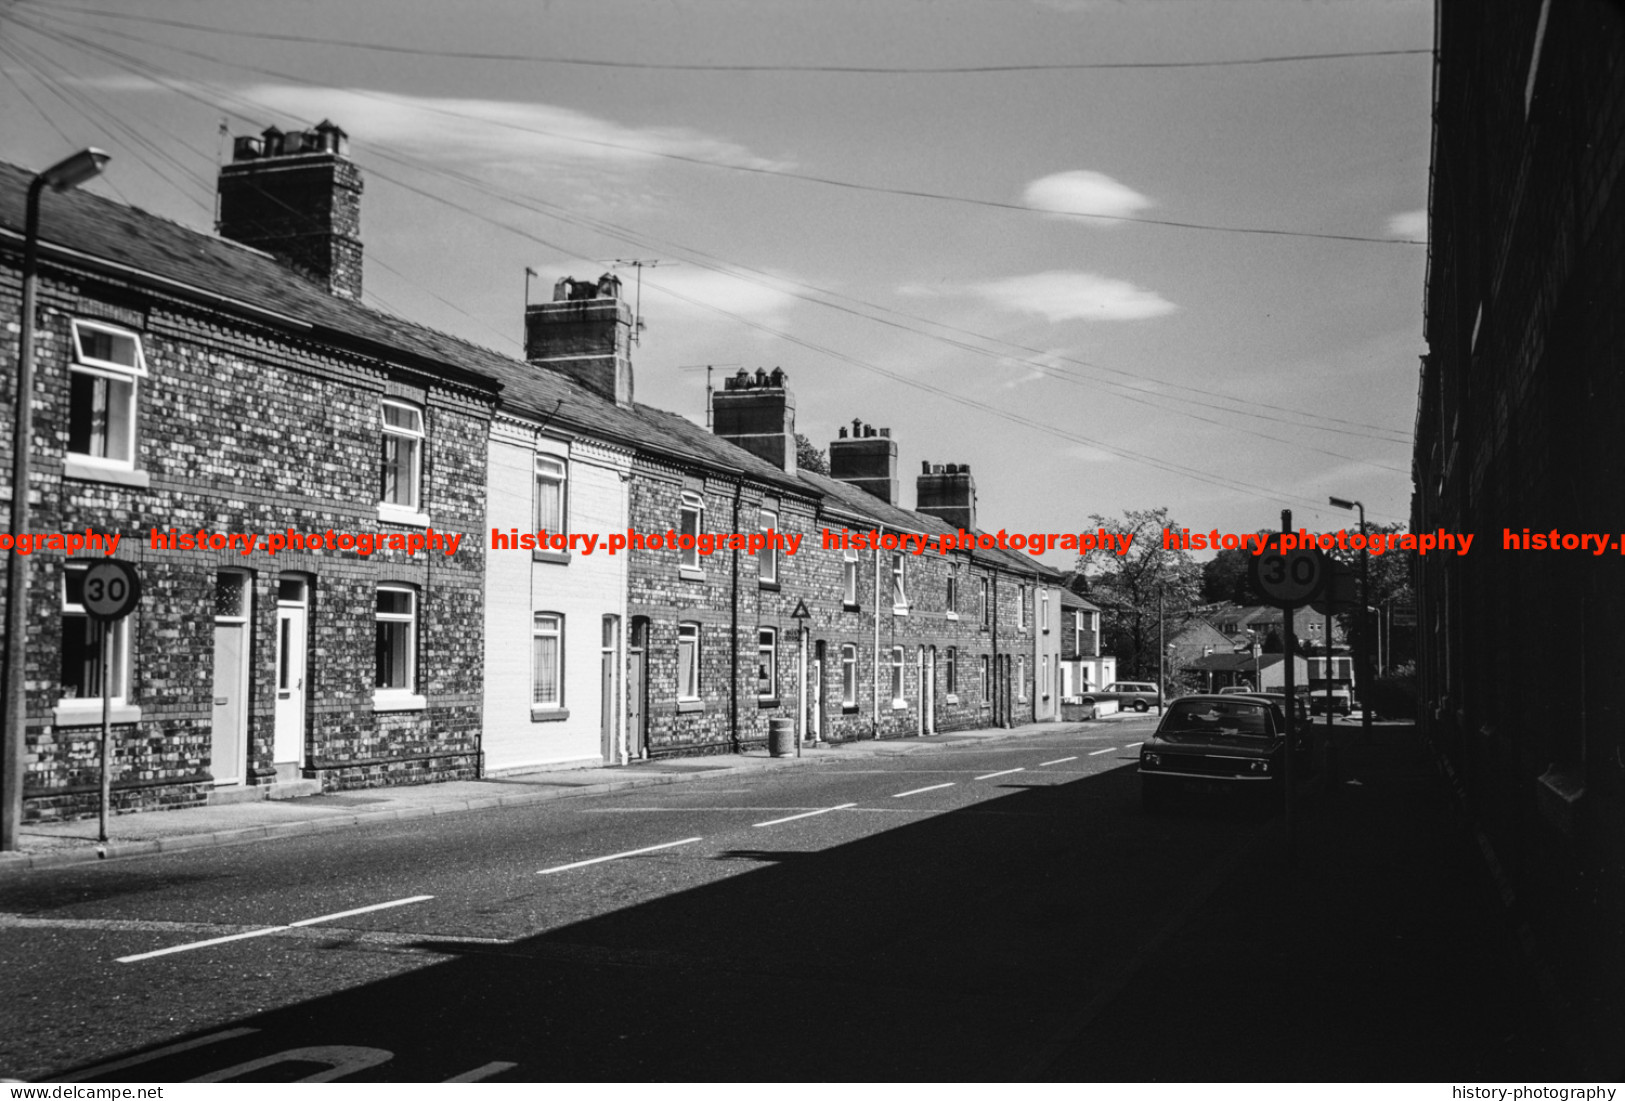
x=1141 y=706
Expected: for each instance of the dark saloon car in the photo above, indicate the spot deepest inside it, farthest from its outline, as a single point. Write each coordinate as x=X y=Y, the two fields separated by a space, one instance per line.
x=1218 y=744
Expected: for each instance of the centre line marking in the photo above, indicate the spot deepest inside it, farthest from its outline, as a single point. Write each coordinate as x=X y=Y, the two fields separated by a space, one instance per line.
x=808 y=814
x=617 y=856
x=1108 y=749
x=1131 y=745
x=917 y=791
x=274 y=929
x=1062 y=761
x=1006 y=772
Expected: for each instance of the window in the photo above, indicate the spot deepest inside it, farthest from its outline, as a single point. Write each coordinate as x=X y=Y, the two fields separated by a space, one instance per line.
x=767 y=559
x=951 y=671
x=1021 y=607
x=1043 y=610
x=952 y=598
x=897 y=677
x=82 y=674
x=693 y=511
x=849 y=578
x=899 y=597
x=849 y=676
x=767 y=664
x=400 y=471
x=396 y=644
x=547 y=660
x=1021 y=677
x=102 y=380
x=688 y=661
x=987 y=608
x=987 y=692
x=1043 y=682
x=551 y=478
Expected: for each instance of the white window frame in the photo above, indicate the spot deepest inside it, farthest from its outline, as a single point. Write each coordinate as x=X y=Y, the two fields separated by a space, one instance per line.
x=1021 y=607
x=897 y=697
x=111 y=373
x=410 y=619
x=767 y=651
x=767 y=559
x=1021 y=677
x=688 y=631
x=1043 y=680
x=951 y=673
x=987 y=663
x=547 y=625
x=692 y=504
x=899 y=584
x=552 y=471
x=120 y=671
x=951 y=596
x=1043 y=610
x=987 y=613
x=849 y=578
x=849 y=675
x=416 y=439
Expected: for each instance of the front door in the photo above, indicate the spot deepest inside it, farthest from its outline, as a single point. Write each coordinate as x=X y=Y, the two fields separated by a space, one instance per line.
x=931 y=690
x=606 y=694
x=291 y=633
x=816 y=719
x=636 y=678
x=228 y=737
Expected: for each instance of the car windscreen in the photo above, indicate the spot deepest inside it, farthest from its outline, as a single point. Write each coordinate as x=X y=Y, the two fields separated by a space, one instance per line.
x=1235 y=718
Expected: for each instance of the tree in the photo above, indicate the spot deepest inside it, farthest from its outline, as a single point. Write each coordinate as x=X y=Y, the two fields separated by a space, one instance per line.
x=810 y=457
x=1129 y=587
x=1390 y=578
x=1224 y=576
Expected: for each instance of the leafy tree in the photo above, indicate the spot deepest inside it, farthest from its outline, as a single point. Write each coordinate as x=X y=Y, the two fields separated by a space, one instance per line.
x=1390 y=578
x=1224 y=576
x=810 y=457
x=1128 y=587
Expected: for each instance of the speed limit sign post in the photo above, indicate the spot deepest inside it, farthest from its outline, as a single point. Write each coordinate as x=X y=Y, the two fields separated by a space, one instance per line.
x=112 y=590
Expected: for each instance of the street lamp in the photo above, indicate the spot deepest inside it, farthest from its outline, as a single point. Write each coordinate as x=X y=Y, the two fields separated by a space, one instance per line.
x=75 y=170
x=1365 y=622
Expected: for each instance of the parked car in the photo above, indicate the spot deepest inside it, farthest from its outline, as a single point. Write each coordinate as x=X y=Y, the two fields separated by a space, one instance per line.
x=1221 y=744
x=1341 y=702
x=1236 y=690
x=1137 y=695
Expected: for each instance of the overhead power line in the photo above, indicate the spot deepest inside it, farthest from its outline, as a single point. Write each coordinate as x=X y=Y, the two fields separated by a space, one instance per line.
x=702 y=67
x=756 y=170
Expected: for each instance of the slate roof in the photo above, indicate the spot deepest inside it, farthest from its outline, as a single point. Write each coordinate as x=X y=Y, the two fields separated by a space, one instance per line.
x=1070 y=599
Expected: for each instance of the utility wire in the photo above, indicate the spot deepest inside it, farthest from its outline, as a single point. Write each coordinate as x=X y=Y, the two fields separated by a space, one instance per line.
x=604 y=63
x=782 y=173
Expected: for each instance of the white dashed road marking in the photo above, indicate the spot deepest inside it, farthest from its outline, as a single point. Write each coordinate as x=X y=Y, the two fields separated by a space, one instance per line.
x=274 y=929
x=1062 y=761
x=617 y=856
x=1108 y=749
x=917 y=791
x=1006 y=772
x=809 y=814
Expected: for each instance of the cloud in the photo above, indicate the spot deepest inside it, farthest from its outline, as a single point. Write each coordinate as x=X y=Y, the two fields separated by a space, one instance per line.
x=1073 y=296
x=496 y=132
x=1082 y=192
x=1412 y=225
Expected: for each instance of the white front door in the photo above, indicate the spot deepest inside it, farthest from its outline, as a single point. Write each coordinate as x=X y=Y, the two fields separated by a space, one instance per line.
x=228 y=733
x=289 y=747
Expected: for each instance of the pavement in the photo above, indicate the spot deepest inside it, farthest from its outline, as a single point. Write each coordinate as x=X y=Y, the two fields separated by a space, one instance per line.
x=54 y=844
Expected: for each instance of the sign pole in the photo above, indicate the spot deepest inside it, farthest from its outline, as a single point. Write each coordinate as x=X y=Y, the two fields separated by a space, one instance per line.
x=1289 y=646
x=107 y=725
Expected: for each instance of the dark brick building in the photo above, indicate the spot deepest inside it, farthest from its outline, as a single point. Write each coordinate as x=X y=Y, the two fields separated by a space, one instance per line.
x=187 y=383
x=1518 y=430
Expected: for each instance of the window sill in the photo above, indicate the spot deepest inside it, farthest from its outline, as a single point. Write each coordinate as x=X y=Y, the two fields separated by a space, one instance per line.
x=549 y=714
x=951 y=614
x=952 y=697
x=398 y=701
x=562 y=558
x=899 y=609
x=399 y=514
x=850 y=607
x=78 y=712
x=899 y=705
x=768 y=586
x=687 y=707
x=849 y=709
x=689 y=573
x=765 y=702
x=83 y=469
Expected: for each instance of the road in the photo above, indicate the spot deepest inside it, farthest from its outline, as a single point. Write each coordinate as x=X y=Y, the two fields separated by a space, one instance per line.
x=941 y=914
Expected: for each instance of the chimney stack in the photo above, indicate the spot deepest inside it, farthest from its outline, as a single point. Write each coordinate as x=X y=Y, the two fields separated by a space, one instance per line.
x=586 y=333
x=297 y=195
x=947 y=492
x=758 y=413
x=866 y=460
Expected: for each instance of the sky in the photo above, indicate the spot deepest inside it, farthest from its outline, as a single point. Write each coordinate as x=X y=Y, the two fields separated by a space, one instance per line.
x=980 y=261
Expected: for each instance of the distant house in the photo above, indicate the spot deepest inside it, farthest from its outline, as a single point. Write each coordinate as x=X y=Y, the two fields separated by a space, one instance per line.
x=1083 y=667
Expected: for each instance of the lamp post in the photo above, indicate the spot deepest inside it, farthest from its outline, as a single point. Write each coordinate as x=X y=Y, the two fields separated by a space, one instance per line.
x=75 y=170
x=1365 y=617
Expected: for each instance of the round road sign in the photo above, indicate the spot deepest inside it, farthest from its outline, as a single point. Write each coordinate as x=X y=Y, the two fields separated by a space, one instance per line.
x=1288 y=580
x=112 y=589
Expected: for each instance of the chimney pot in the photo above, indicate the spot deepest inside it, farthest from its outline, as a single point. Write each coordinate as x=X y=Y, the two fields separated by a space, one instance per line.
x=925 y=467
x=758 y=417
x=777 y=377
x=886 y=432
x=584 y=335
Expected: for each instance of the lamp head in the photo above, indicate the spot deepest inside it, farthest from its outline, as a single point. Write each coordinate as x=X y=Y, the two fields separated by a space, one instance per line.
x=84 y=165
x=1338 y=502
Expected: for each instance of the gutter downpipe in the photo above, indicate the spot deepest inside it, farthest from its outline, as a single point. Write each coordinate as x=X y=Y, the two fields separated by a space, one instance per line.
x=876 y=608
x=733 y=647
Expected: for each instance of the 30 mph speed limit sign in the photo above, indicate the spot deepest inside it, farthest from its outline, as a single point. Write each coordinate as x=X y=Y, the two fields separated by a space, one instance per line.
x=112 y=590
x=1288 y=580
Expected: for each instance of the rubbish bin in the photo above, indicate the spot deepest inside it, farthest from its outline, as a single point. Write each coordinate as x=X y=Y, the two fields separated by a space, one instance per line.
x=781 y=737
